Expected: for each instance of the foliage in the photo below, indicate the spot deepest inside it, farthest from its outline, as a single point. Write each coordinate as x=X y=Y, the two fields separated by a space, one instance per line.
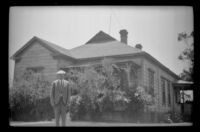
x=187 y=55
x=75 y=106
x=144 y=96
x=174 y=117
x=100 y=91
x=120 y=100
x=29 y=96
x=94 y=85
x=139 y=99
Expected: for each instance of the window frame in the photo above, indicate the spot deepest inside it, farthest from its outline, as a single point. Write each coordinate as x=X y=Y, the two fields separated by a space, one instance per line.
x=169 y=92
x=36 y=69
x=163 y=82
x=151 y=80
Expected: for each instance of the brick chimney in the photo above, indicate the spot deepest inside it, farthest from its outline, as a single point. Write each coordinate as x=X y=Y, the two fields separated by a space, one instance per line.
x=123 y=35
x=138 y=46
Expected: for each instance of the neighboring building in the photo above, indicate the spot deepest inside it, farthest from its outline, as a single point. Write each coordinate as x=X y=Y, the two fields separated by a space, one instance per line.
x=143 y=69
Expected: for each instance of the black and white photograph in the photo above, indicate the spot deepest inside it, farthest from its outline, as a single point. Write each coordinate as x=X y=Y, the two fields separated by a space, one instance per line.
x=101 y=66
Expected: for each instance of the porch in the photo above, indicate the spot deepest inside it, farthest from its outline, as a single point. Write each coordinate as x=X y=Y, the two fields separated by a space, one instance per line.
x=183 y=98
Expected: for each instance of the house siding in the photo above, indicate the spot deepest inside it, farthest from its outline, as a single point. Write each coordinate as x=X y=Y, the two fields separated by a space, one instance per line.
x=88 y=62
x=37 y=55
x=157 y=84
x=63 y=63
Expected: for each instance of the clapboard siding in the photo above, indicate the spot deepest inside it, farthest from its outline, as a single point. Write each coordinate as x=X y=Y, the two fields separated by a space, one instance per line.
x=171 y=79
x=63 y=63
x=37 y=55
x=88 y=62
x=157 y=84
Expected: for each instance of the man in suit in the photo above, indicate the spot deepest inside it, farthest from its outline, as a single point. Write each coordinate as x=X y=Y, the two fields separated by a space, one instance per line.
x=60 y=96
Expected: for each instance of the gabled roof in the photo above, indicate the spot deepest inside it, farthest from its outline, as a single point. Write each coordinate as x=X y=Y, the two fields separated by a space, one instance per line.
x=100 y=37
x=52 y=47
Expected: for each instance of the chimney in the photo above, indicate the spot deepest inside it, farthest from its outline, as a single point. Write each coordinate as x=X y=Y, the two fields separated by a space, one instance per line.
x=138 y=46
x=123 y=35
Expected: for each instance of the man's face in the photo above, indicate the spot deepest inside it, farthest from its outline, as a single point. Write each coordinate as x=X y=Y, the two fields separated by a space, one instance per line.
x=61 y=76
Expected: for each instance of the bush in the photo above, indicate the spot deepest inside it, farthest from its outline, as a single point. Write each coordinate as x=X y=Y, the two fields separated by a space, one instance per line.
x=76 y=107
x=42 y=110
x=175 y=117
x=29 y=98
x=139 y=99
x=100 y=92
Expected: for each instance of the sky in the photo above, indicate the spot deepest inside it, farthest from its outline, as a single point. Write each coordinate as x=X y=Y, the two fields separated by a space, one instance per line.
x=156 y=28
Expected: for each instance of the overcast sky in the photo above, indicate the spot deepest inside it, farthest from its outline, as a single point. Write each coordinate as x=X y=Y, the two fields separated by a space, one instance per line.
x=156 y=28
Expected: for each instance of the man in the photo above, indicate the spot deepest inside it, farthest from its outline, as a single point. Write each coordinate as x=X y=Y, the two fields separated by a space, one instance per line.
x=60 y=95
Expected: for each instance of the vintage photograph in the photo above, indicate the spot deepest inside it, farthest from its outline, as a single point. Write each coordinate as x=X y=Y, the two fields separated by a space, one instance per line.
x=101 y=66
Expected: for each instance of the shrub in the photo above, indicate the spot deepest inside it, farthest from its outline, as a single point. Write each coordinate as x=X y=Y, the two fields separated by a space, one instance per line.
x=120 y=100
x=29 y=98
x=95 y=91
x=75 y=107
x=139 y=99
x=100 y=92
x=175 y=117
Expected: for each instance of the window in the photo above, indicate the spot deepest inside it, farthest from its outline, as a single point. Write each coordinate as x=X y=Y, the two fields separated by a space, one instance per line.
x=168 y=88
x=133 y=77
x=163 y=91
x=35 y=69
x=151 y=81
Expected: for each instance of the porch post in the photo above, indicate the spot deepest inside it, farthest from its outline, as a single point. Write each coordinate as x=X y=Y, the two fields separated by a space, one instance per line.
x=173 y=98
x=182 y=104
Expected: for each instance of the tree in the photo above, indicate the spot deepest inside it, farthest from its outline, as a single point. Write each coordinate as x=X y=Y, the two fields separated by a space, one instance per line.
x=187 y=55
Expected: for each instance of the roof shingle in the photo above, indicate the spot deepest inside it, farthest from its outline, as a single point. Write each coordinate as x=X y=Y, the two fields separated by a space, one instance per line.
x=104 y=49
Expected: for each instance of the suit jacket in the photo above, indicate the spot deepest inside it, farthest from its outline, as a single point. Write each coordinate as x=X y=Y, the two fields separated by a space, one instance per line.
x=60 y=88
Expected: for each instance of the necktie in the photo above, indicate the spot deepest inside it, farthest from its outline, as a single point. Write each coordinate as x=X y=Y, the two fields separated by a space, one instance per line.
x=61 y=87
x=61 y=84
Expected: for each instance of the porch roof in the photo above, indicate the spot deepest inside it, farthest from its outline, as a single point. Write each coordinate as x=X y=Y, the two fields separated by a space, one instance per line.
x=183 y=82
x=185 y=85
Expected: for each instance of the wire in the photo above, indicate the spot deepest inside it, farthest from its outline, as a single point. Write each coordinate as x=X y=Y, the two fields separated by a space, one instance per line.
x=116 y=17
x=110 y=23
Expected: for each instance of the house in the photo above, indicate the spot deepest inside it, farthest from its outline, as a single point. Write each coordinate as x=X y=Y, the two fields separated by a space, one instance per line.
x=143 y=69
